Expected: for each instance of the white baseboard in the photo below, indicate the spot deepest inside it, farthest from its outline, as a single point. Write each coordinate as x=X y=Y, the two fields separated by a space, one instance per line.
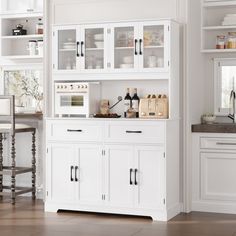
x=214 y=207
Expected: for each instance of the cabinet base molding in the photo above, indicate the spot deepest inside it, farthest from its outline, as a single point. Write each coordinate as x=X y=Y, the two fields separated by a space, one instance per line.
x=214 y=207
x=156 y=215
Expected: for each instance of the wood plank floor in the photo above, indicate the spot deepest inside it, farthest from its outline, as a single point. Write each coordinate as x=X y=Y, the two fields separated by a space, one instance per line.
x=29 y=219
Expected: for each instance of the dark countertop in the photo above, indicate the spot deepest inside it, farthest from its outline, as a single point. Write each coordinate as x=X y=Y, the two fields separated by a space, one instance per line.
x=214 y=128
x=38 y=116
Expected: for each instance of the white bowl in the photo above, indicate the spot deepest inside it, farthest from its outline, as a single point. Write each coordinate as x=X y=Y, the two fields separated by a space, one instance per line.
x=128 y=60
x=126 y=66
x=209 y=119
x=99 y=37
x=99 y=44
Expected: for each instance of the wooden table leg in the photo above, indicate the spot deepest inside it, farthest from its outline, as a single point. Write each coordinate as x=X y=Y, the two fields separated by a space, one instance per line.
x=33 y=166
x=1 y=163
x=13 y=166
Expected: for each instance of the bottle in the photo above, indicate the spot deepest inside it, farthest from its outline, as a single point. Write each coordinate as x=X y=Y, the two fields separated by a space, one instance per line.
x=135 y=102
x=39 y=27
x=127 y=102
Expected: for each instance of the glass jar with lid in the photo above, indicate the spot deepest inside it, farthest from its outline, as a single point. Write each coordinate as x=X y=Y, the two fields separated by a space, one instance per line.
x=220 y=42
x=231 y=40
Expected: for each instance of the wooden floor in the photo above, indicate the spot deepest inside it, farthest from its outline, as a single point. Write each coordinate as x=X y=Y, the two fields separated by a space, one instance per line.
x=28 y=218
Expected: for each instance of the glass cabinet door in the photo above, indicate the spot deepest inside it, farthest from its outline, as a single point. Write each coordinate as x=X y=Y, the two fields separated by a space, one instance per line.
x=67 y=49
x=154 y=51
x=125 y=47
x=92 y=48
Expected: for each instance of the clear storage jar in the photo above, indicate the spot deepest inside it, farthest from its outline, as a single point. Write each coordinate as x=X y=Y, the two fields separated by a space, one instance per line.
x=231 y=40
x=220 y=42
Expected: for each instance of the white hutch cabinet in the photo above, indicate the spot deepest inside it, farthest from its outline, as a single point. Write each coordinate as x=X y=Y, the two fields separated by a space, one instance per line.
x=114 y=47
x=123 y=166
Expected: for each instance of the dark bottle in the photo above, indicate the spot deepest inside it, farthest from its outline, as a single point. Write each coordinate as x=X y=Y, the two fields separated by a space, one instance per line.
x=127 y=102
x=135 y=102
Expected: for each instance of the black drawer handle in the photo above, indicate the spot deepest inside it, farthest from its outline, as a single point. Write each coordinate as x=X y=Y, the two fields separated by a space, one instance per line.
x=135 y=47
x=71 y=173
x=78 y=49
x=82 y=44
x=130 y=176
x=75 y=130
x=76 y=178
x=133 y=131
x=140 y=47
x=135 y=176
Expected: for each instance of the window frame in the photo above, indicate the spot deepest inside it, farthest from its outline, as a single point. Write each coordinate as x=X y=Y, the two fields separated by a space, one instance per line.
x=218 y=64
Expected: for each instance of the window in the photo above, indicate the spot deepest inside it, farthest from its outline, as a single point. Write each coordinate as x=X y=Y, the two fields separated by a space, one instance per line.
x=225 y=82
x=26 y=84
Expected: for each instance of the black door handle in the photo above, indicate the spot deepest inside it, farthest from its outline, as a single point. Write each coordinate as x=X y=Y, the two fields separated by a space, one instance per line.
x=140 y=47
x=133 y=132
x=135 y=47
x=75 y=130
x=77 y=49
x=135 y=176
x=82 y=44
x=130 y=176
x=71 y=173
x=76 y=178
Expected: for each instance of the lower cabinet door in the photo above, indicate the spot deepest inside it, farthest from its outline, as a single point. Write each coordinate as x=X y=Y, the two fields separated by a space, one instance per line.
x=119 y=175
x=89 y=173
x=149 y=177
x=60 y=173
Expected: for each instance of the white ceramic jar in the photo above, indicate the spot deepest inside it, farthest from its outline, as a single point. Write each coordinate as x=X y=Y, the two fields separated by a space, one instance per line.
x=40 y=47
x=32 y=46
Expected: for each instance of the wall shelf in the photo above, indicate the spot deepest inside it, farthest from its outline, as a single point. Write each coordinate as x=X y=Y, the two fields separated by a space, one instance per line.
x=22 y=57
x=219 y=4
x=221 y=27
x=218 y=50
x=36 y=36
x=21 y=16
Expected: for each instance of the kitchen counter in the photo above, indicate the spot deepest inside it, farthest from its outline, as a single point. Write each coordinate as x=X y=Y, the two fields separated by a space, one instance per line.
x=37 y=116
x=214 y=128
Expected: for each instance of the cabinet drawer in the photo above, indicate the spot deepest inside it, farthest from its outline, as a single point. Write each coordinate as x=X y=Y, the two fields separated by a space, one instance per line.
x=218 y=143
x=74 y=131
x=135 y=132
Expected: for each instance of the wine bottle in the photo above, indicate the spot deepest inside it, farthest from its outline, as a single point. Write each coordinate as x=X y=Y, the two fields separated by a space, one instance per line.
x=135 y=102
x=127 y=102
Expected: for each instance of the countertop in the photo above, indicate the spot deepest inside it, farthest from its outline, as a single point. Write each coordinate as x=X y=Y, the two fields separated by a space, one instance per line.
x=38 y=116
x=214 y=128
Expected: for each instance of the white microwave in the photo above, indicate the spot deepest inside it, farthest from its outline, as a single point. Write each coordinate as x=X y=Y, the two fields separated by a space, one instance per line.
x=77 y=99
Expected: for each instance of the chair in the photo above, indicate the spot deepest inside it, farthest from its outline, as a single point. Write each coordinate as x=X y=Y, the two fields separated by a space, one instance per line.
x=8 y=126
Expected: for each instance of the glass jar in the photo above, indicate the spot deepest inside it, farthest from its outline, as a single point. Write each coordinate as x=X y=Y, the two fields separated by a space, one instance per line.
x=220 y=42
x=231 y=41
x=39 y=27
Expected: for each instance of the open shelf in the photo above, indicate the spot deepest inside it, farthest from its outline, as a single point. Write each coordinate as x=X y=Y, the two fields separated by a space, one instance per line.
x=123 y=48
x=94 y=49
x=21 y=16
x=22 y=57
x=40 y=36
x=219 y=4
x=218 y=50
x=222 y=27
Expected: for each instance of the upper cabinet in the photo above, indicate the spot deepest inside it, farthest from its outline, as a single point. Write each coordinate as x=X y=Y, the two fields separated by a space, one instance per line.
x=112 y=48
x=21 y=6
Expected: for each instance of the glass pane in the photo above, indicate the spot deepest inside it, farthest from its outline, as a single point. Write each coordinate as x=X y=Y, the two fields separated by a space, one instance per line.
x=94 y=48
x=124 y=47
x=27 y=86
x=228 y=83
x=67 y=50
x=153 y=38
x=72 y=101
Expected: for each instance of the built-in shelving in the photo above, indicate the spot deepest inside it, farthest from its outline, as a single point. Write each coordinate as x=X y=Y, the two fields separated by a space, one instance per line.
x=213 y=14
x=21 y=57
x=35 y=36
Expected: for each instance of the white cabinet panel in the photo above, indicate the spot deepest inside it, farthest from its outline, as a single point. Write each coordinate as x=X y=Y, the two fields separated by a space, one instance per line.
x=218 y=143
x=60 y=172
x=119 y=162
x=74 y=131
x=149 y=167
x=135 y=132
x=218 y=176
x=89 y=174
